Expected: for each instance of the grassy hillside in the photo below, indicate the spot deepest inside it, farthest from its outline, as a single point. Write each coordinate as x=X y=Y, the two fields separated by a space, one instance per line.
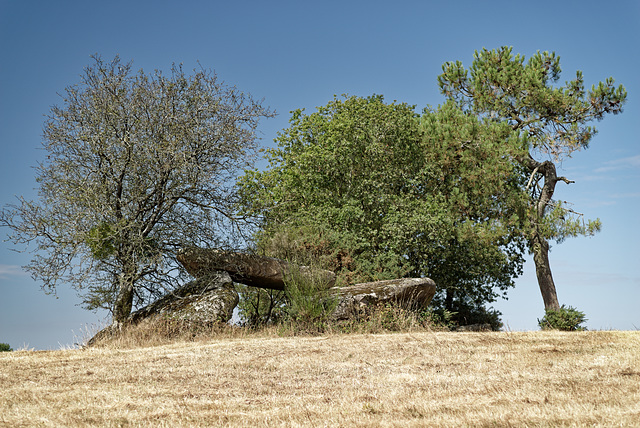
x=403 y=379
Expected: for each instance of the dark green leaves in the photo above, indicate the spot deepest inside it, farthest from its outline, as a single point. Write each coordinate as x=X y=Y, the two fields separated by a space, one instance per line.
x=393 y=194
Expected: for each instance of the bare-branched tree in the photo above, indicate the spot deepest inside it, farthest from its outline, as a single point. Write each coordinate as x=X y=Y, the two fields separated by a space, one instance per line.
x=138 y=165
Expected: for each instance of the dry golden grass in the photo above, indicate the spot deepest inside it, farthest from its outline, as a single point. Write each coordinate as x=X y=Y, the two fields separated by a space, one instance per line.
x=402 y=379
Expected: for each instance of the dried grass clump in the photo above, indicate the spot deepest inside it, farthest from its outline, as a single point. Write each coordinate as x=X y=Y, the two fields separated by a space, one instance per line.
x=164 y=331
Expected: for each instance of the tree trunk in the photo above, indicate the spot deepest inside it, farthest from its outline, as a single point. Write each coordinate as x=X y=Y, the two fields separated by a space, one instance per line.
x=124 y=301
x=538 y=244
x=540 y=248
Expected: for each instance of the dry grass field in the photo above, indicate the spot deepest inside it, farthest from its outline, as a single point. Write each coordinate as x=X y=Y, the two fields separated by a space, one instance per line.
x=403 y=379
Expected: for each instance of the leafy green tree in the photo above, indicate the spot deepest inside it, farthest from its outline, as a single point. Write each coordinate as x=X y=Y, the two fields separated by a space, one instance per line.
x=331 y=177
x=553 y=119
x=4 y=347
x=137 y=166
x=375 y=191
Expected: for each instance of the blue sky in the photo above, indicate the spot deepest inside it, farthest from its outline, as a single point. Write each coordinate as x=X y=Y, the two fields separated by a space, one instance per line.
x=298 y=54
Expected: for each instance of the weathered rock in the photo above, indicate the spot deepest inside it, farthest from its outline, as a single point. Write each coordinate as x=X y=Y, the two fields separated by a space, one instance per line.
x=248 y=269
x=414 y=293
x=207 y=299
x=204 y=301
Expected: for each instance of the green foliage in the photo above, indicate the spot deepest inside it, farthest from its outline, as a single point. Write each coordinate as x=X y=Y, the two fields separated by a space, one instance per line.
x=330 y=176
x=301 y=247
x=552 y=121
x=440 y=318
x=4 y=347
x=506 y=88
x=565 y=319
x=378 y=192
x=101 y=241
x=104 y=242
x=259 y=307
x=309 y=303
x=305 y=304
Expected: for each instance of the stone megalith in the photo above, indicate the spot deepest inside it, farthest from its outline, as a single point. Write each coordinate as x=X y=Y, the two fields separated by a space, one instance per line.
x=410 y=293
x=205 y=300
x=248 y=269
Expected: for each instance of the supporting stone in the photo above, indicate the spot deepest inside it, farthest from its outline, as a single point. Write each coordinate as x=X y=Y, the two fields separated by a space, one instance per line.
x=410 y=293
x=204 y=301
x=208 y=299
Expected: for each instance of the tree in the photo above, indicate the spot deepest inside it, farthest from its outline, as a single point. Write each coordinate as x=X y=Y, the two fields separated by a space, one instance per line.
x=138 y=165
x=375 y=191
x=468 y=165
x=553 y=119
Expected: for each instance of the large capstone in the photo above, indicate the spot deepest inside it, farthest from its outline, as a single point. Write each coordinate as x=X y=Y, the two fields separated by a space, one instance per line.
x=249 y=269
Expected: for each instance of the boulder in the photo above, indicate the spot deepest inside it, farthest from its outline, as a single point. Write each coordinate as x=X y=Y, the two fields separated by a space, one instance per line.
x=204 y=301
x=247 y=269
x=410 y=293
x=207 y=299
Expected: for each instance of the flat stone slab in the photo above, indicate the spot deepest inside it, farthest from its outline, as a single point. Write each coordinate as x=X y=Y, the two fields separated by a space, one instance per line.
x=410 y=293
x=247 y=269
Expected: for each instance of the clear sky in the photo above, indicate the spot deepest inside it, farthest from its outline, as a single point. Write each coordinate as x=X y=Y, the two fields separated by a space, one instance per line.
x=299 y=54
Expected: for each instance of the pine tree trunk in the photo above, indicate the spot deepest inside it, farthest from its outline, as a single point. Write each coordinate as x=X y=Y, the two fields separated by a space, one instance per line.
x=539 y=245
x=540 y=248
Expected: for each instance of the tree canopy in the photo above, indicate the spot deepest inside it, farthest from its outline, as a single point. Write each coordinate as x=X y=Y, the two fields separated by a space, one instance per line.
x=377 y=191
x=554 y=121
x=137 y=166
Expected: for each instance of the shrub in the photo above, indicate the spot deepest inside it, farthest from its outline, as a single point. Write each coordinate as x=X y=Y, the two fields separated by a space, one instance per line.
x=4 y=347
x=565 y=319
x=309 y=303
x=440 y=318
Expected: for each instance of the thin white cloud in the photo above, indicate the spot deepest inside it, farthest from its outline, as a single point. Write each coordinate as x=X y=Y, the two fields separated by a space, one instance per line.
x=622 y=163
x=10 y=270
x=626 y=195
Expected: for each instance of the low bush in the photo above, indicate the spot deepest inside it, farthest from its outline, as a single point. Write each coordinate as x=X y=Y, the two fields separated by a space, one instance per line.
x=4 y=347
x=309 y=304
x=564 y=319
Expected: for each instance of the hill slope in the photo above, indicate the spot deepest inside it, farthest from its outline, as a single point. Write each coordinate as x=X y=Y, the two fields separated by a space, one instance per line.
x=405 y=379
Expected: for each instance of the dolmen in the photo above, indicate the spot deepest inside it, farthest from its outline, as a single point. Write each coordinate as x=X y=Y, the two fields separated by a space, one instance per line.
x=271 y=273
x=211 y=297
